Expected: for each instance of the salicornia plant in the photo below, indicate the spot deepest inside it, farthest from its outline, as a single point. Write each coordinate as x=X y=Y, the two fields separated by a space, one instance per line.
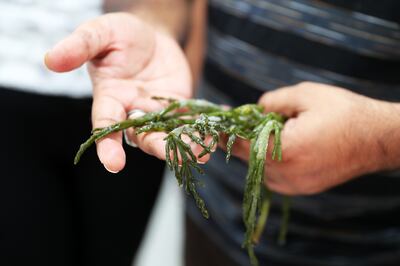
x=196 y=120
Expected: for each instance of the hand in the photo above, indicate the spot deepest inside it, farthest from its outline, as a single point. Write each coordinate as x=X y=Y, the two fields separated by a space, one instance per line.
x=128 y=63
x=332 y=136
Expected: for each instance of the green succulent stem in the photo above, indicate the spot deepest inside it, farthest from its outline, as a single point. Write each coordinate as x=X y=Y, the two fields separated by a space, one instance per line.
x=197 y=119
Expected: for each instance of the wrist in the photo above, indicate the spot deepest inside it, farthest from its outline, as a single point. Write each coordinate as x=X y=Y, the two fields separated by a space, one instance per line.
x=154 y=23
x=168 y=17
x=387 y=136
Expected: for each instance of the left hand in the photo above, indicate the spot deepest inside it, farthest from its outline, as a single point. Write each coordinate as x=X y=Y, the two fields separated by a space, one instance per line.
x=332 y=136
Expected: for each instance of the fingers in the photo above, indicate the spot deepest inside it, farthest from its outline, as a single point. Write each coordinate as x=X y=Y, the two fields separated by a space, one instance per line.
x=111 y=101
x=276 y=181
x=240 y=149
x=153 y=143
x=274 y=170
x=106 y=111
x=111 y=153
x=280 y=188
x=288 y=101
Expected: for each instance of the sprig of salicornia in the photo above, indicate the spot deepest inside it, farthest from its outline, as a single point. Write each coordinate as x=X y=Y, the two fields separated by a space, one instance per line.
x=195 y=120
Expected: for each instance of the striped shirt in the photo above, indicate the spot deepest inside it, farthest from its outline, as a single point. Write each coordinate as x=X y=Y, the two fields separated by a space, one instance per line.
x=259 y=45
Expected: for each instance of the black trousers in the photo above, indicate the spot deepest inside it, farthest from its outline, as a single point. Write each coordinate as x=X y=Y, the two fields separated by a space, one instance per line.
x=55 y=213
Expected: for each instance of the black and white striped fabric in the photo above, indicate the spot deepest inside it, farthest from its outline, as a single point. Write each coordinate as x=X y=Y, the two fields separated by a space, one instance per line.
x=260 y=45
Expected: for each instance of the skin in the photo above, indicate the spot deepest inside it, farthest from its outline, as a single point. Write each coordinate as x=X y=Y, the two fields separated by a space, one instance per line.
x=332 y=135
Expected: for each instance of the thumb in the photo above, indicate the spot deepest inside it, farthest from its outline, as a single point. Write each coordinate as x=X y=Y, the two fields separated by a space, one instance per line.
x=82 y=45
x=287 y=101
x=90 y=40
x=85 y=43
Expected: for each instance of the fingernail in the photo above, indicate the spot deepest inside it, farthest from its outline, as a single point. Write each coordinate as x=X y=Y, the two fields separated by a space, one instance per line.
x=113 y=172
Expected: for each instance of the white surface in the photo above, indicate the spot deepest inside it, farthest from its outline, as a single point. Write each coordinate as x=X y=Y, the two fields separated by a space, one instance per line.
x=28 y=29
x=163 y=242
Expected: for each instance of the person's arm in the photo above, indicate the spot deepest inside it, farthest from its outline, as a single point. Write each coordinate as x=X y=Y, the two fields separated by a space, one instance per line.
x=332 y=136
x=388 y=138
x=195 y=42
x=171 y=16
x=131 y=58
x=183 y=19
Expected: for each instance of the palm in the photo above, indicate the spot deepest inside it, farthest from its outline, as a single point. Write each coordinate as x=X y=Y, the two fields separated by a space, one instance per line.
x=156 y=68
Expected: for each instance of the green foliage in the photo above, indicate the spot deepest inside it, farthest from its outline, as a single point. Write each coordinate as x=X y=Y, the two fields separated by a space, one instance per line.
x=198 y=120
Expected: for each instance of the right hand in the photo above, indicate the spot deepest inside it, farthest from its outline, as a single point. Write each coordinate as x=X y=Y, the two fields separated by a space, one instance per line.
x=129 y=62
x=331 y=137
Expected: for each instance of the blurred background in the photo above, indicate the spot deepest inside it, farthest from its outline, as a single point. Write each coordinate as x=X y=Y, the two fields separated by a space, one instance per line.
x=163 y=243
